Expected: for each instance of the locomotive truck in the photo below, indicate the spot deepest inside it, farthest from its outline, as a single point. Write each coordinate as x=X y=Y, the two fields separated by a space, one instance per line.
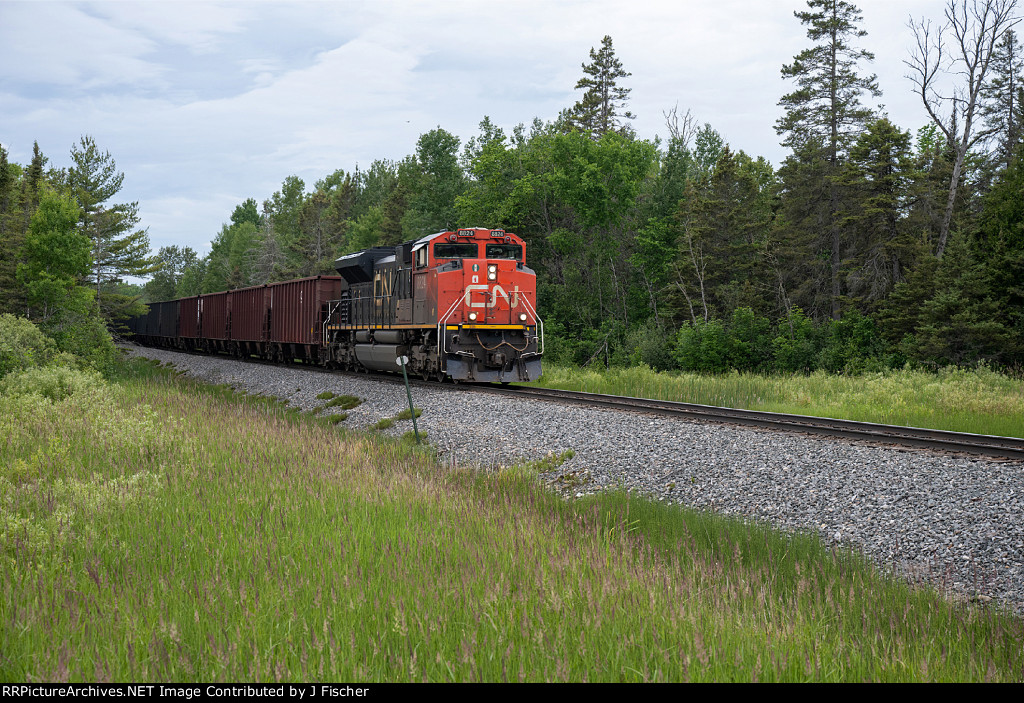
x=460 y=305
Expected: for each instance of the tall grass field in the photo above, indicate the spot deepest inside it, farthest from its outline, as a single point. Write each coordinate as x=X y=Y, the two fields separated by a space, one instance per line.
x=152 y=528
x=979 y=401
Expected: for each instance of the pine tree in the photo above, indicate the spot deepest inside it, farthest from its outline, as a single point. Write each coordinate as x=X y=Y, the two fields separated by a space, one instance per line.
x=722 y=225
x=118 y=248
x=880 y=250
x=999 y=243
x=802 y=240
x=19 y=199
x=1002 y=96
x=11 y=237
x=602 y=108
x=825 y=112
x=31 y=182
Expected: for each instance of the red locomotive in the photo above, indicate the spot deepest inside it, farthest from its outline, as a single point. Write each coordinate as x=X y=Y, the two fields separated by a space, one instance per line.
x=459 y=305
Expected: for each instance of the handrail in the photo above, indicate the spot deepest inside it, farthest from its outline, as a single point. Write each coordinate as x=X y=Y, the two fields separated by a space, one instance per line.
x=330 y=314
x=441 y=322
x=540 y=322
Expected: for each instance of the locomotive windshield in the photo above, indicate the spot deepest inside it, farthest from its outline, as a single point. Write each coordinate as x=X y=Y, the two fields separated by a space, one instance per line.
x=505 y=251
x=455 y=251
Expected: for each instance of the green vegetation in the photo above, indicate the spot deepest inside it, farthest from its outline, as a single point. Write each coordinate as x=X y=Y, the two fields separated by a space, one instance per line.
x=388 y=422
x=22 y=345
x=406 y=415
x=980 y=401
x=345 y=402
x=157 y=529
x=410 y=437
x=867 y=248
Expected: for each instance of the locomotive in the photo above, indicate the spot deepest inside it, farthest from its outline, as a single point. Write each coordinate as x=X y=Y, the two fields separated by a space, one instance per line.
x=458 y=305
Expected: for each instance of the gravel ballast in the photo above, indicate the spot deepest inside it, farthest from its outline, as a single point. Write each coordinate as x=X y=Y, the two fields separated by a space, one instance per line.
x=951 y=520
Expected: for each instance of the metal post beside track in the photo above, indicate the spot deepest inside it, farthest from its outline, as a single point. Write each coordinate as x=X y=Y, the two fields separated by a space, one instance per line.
x=402 y=361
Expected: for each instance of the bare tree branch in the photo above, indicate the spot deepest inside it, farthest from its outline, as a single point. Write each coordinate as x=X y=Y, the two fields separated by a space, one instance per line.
x=975 y=26
x=683 y=128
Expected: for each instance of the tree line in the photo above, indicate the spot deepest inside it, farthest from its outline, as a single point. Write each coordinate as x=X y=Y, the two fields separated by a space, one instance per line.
x=66 y=249
x=869 y=246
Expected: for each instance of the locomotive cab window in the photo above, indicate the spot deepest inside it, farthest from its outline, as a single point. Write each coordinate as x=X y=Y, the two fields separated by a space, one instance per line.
x=505 y=251
x=456 y=251
x=421 y=257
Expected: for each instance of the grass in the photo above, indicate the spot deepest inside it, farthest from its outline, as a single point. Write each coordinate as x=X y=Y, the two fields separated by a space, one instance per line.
x=345 y=402
x=410 y=437
x=388 y=422
x=157 y=529
x=406 y=415
x=980 y=401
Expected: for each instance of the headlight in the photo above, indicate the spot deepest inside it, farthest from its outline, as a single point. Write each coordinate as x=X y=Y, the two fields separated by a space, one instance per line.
x=472 y=317
x=492 y=268
x=522 y=316
x=492 y=276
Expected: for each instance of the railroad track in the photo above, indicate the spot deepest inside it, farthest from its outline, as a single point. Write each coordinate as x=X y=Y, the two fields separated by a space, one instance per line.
x=941 y=440
x=991 y=446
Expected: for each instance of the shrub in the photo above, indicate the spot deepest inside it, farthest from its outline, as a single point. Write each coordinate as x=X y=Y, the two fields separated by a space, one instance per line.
x=796 y=347
x=703 y=346
x=750 y=341
x=850 y=344
x=54 y=383
x=83 y=335
x=22 y=345
x=651 y=344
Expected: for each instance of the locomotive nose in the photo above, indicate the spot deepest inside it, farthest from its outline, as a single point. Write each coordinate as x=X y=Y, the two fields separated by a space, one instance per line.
x=487 y=300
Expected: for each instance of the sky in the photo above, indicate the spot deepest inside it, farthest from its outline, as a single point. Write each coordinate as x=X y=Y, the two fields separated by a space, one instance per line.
x=205 y=104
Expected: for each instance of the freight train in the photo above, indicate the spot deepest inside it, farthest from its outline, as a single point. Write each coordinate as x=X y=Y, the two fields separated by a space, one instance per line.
x=459 y=305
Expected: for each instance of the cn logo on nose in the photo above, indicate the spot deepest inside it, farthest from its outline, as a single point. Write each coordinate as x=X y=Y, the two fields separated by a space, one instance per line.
x=512 y=300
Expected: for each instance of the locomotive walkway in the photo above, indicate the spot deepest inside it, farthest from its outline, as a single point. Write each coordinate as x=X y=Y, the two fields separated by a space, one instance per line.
x=940 y=440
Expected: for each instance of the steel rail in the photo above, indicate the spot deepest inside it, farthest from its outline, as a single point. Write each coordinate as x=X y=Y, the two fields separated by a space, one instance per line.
x=924 y=438
x=944 y=440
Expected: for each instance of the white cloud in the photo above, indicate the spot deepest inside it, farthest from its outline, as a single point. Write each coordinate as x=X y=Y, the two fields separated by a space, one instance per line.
x=203 y=104
x=53 y=43
x=199 y=26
